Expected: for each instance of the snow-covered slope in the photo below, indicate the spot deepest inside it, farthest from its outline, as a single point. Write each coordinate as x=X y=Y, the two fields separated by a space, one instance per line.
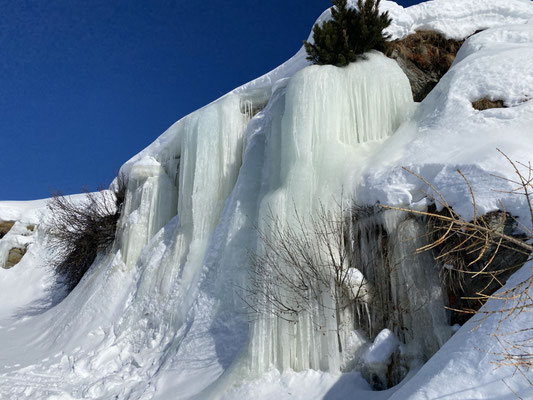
x=466 y=367
x=448 y=133
x=161 y=315
x=24 y=286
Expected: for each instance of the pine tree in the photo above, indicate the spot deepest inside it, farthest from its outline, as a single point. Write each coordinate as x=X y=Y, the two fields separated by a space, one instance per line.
x=349 y=34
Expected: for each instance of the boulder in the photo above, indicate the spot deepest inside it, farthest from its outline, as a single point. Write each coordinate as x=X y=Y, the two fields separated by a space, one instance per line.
x=5 y=226
x=14 y=256
x=424 y=56
x=486 y=103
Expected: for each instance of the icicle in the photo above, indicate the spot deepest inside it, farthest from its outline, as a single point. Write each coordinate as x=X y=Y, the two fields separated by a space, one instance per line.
x=332 y=116
x=407 y=297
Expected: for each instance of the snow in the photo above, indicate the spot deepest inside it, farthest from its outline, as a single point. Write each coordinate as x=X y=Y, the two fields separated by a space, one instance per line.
x=495 y=64
x=27 y=211
x=456 y=19
x=160 y=315
x=385 y=344
x=25 y=285
x=303 y=386
x=145 y=167
x=466 y=366
x=377 y=357
x=357 y=285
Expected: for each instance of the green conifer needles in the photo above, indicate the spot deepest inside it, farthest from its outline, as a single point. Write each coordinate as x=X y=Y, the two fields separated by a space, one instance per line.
x=349 y=34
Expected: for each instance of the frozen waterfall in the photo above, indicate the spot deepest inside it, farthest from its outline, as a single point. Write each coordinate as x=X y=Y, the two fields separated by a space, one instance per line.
x=195 y=202
x=333 y=119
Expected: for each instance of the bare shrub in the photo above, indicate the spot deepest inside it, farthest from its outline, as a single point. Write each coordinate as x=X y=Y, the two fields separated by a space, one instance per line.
x=303 y=265
x=81 y=228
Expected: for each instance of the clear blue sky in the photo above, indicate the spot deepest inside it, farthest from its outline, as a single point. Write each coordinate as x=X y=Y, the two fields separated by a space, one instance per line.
x=86 y=84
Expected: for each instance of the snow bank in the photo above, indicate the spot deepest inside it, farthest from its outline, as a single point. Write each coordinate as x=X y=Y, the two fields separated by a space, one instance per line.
x=456 y=19
x=308 y=385
x=26 y=211
x=448 y=133
x=465 y=367
x=25 y=285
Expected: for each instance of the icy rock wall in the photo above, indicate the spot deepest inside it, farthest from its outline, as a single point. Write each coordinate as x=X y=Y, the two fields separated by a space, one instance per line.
x=333 y=119
x=188 y=181
x=304 y=149
x=406 y=295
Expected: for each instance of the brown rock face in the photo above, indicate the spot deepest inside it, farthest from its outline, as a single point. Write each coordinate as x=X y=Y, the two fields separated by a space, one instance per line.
x=5 y=226
x=425 y=57
x=14 y=257
x=486 y=103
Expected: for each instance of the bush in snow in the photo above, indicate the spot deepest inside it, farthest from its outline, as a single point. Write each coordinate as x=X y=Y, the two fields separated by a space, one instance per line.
x=81 y=228
x=303 y=266
x=349 y=34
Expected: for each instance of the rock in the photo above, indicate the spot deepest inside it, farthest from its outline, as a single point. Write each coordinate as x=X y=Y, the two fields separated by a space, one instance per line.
x=486 y=103
x=5 y=226
x=14 y=257
x=425 y=57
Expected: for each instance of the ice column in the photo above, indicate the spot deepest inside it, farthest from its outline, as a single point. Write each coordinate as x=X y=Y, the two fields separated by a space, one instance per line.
x=334 y=118
x=406 y=295
x=150 y=203
x=202 y=157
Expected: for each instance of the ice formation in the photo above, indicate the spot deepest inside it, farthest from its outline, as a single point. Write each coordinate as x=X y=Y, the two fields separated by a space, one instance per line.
x=320 y=144
x=161 y=314
x=406 y=295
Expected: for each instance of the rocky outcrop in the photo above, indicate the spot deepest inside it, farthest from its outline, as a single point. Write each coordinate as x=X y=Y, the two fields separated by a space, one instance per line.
x=5 y=227
x=425 y=57
x=14 y=256
x=486 y=103
x=15 y=237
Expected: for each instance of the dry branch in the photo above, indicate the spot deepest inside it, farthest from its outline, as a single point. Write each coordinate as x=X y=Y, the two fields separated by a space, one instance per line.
x=456 y=239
